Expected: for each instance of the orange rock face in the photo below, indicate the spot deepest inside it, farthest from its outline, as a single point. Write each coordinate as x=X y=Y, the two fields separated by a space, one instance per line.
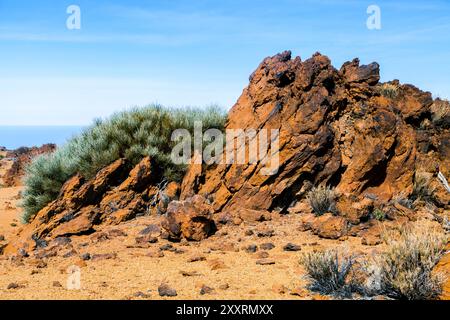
x=444 y=267
x=22 y=157
x=334 y=127
x=190 y=218
x=330 y=227
x=114 y=195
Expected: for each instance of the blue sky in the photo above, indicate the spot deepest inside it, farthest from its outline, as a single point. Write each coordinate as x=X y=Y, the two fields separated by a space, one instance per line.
x=196 y=52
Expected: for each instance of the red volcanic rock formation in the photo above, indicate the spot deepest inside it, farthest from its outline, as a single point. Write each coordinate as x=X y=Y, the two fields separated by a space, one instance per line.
x=114 y=195
x=21 y=158
x=336 y=128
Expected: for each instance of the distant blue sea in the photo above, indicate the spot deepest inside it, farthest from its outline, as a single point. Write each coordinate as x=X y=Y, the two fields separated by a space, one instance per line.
x=13 y=137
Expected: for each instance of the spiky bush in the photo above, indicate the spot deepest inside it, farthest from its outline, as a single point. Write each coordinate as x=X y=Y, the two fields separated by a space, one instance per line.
x=440 y=110
x=402 y=199
x=388 y=90
x=329 y=272
x=422 y=188
x=129 y=134
x=322 y=200
x=405 y=269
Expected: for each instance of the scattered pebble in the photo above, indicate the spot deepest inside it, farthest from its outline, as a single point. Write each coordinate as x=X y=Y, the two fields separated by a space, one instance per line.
x=178 y=251
x=216 y=264
x=196 y=258
x=61 y=241
x=116 y=233
x=224 y=286
x=291 y=247
x=69 y=254
x=267 y=246
x=279 y=288
x=14 y=285
x=189 y=273
x=104 y=256
x=165 y=291
x=142 y=295
x=265 y=262
x=251 y=248
x=85 y=256
x=262 y=255
x=300 y=292
x=166 y=247
x=38 y=263
x=146 y=239
x=23 y=253
x=206 y=290
x=155 y=254
x=152 y=229
x=265 y=233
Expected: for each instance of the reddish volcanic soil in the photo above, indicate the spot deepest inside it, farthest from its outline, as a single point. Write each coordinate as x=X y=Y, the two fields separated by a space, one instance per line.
x=224 y=263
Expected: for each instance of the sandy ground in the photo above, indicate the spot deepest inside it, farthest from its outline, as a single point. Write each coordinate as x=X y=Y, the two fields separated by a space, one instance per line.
x=9 y=214
x=136 y=273
x=230 y=270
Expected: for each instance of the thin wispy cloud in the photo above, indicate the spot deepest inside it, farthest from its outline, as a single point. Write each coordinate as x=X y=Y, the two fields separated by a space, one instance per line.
x=155 y=39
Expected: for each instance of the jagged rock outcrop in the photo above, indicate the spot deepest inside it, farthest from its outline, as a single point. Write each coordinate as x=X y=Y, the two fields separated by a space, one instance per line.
x=443 y=267
x=21 y=158
x=114 y=195
x=335 y=128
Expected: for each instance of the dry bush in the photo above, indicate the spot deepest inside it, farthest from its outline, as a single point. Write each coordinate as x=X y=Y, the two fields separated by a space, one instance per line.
x=330 y=272
x=440 y=110
x=405 y=269
x=422 y=188
x=403 y=200
x=322 y=200
x=388 y=90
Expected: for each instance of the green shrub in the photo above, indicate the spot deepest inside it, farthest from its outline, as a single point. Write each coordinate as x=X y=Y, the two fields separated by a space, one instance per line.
x=322 y=200
x=379 y=214
x=129 y=134
x=330 y=272
x=405 y=269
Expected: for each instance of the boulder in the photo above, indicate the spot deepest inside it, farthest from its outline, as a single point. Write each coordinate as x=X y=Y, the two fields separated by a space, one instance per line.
x=191 y=219
x=372 y=236
x=329 y=226
x=353 y=209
